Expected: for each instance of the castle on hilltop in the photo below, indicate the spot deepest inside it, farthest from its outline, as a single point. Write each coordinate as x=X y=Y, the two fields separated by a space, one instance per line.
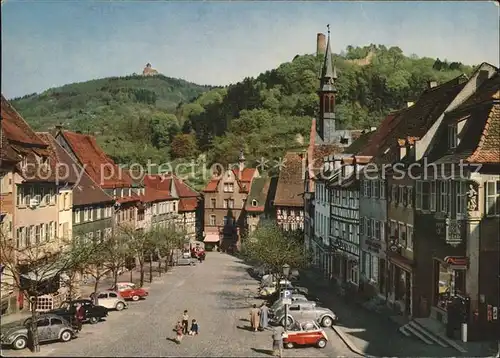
x=321 y=50
x=149 y=71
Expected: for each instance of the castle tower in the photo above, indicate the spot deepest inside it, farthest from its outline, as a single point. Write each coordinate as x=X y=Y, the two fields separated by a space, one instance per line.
x=327 y=90
x=320 y=44
x=241 y=161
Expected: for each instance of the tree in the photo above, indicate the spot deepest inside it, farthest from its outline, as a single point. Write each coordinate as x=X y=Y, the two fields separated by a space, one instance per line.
x=183 y=146
x=273 y=247
x=116 y=250
x=139 y=244
x=27 y=267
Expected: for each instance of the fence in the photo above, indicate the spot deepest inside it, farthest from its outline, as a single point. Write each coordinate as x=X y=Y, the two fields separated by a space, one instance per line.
x=48 y=302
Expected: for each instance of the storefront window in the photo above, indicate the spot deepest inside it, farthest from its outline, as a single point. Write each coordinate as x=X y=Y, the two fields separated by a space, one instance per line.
x=450 y=282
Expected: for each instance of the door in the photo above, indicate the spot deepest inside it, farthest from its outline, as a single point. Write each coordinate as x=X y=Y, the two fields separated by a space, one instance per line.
x=43 y=326
x=113 y=299
x=307 y=312
x=294 y=311
x=55 y=327
x=103 y=300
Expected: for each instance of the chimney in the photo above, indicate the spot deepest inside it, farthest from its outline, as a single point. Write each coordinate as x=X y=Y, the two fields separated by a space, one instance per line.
x=432 y=84
x=410 y=103
x=320 y=44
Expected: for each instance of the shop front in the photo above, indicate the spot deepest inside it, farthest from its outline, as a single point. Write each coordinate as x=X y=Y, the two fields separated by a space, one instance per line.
x=400 y=284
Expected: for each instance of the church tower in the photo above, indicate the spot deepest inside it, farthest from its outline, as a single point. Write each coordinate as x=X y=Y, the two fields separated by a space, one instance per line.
x=327 y=91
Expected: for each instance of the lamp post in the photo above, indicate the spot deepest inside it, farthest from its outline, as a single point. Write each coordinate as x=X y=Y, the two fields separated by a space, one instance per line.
x=286 y=272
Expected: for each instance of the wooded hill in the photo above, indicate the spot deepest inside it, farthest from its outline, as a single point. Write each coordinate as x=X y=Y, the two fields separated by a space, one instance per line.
x=138 y=118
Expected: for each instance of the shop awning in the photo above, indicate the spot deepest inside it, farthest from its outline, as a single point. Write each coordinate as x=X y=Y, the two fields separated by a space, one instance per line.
x=211 y=238
x=45 y=272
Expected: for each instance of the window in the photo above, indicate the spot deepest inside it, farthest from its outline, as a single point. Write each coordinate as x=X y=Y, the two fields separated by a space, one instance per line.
x=492 y=198
x=44 y=322
x=351 y=232
x=382 y=189
x=37 y=234
x=107 y=232
x=376 y=230
x=393 y=192
x=362 y=225
x=344 y=230
x=226 y=203
x=424 y=195
x=365 y=188
x=351 y=199
x=174 y=207
x=344 y=198
x=77 y=216
x=98 y=213
x=369 y=189
x=433 y=196
x=212 y=220
x=443 y=193
x=369 y=228
x=409 y=237
x=98 y=235
x=374 y=268
x=409 y=196
x=452 y=136
x=86 y=214
x=376 y=189
x=228 y=187
x=46 y=232
x=56 y=321
x=402 y=234
x=231 y=203
x=460 y=197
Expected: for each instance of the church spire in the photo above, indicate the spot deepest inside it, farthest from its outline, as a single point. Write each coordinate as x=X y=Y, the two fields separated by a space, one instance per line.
x=328 y=71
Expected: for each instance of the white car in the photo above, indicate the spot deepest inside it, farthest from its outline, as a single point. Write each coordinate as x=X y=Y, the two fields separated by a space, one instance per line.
x=112 y=300
x=279 y=303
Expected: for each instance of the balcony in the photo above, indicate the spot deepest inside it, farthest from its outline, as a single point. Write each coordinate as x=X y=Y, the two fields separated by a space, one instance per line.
x=452 y=231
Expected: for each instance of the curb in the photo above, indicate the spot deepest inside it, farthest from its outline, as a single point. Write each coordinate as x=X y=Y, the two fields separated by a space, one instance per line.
x=348 y=342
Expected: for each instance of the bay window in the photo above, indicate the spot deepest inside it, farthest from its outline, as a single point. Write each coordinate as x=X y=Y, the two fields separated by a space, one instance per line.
x=492 y=193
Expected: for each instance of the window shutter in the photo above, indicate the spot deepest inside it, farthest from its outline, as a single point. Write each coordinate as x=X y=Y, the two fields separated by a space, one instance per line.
x=418 y=196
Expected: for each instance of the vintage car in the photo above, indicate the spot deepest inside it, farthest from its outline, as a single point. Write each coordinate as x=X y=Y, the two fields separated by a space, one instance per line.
x=276 y=306
x=93 y=313
x=305 y=333
x=292 y=289
x=130 y=291
x=299 y=311
x=267 y=289
x=112 y=300
x=50 y=328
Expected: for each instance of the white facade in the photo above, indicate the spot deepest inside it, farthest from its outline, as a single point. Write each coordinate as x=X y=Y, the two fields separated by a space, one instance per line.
x=322 y=212
x=373 y=218
x=65 y=207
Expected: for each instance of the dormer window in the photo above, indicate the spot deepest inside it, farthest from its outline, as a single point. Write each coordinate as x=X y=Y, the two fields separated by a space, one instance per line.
x=254 y=202
x=452 y=136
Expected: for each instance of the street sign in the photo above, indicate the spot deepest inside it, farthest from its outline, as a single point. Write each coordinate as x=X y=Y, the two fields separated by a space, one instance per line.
x=287 y=300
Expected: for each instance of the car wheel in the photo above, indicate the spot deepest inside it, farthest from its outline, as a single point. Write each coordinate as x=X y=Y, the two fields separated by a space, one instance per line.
x=135 y=298
x=120 y=306
x=20 y=343
x=66 y=336
x=326 y=322
x=93 y=320
x=321 y=343
x=289 y=345
x=288 y=323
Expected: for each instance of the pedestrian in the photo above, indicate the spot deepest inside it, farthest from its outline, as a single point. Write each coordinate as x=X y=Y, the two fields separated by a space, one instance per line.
x=79 y=317
x=179 y=330
x=185 y=321
x=264 y=316
x=195 y=329
x=254 y=317
x=278 y=334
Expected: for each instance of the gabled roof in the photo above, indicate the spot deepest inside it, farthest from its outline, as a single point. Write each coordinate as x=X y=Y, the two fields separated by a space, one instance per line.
x=416 y=120
x=488 y=148
x=153 y=195
x=97 y=164
x=258 y=192
x=378 y=137
x=188 y=204
x=16 y=129
x=243 y=179
x=7 y=153
x=291 y=181
x=85 y=190
x=188 y=197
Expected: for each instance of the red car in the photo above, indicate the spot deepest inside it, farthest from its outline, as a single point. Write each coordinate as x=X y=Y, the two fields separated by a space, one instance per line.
x=305 y=333
x=130 y=291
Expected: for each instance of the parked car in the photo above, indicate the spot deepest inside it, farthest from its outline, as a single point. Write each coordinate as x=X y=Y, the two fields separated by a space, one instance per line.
x=93 y=313
x=293 y=289
x=50 y=328
x=299 y=311
x=276 y=306
x=267 y=289
x=130 y=291
x=112 y=300
x=184 y=259
x=305 y=333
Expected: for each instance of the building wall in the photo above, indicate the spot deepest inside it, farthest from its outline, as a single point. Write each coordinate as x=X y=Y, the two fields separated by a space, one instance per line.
x=290 y=218
x=100 y=224
x=322 y=212
x=65 y=208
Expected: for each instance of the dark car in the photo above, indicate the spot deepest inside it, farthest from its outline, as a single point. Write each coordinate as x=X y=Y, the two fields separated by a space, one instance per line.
x=93 y=313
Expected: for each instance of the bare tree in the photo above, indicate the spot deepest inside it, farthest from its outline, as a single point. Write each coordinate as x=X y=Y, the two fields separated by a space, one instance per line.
x=115 y=252
x=33 y=267
x=139 y=245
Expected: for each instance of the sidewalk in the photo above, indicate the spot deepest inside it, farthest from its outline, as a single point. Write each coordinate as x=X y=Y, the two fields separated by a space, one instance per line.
x=376 y=334
x=87 y=289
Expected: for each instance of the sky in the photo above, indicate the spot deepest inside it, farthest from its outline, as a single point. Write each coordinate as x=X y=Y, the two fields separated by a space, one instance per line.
x=52 y=43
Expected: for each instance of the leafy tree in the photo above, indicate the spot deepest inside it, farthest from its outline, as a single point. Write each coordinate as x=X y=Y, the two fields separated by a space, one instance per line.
x=184 y=146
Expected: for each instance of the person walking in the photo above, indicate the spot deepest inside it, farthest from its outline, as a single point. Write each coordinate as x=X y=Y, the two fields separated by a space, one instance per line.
x=179 y=330
x=185 y=322
x=278 y=334
x=264 y=316
x=79 y=316
x=254 y=317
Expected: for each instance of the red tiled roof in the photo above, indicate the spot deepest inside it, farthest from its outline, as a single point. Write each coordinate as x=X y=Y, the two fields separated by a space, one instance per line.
x=183 y=189
x=211 y=186
x=7 y=153
x=259 y=208
x=15 y=127
x=378 y=137
x=153 y=194
x=290 y=182
x=488 y=149
x=244 y=180
x=188 y=204
x=157 y=181
x=246 y=175
x=97 y=164
x=128 y=199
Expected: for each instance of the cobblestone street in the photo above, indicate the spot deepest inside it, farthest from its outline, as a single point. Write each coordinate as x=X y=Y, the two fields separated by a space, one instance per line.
x=218 y=293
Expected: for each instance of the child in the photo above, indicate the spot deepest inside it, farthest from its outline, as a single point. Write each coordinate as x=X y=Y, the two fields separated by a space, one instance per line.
x=179 y=332
x=185 y=322
x=194 y=328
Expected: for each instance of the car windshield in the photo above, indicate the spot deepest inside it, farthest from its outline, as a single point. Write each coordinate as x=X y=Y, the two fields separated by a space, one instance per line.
x=126 y=286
